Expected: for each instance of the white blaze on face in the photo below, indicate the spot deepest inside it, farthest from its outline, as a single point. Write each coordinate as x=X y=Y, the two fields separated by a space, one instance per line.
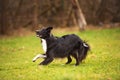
x=44 y=45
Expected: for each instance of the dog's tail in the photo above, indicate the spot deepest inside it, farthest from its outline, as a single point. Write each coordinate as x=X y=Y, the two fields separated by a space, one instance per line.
x=83 y=51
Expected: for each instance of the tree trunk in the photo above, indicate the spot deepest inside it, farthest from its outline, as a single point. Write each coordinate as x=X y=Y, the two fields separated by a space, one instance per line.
x=35 y=18
x=3 y=19
x=80 y=19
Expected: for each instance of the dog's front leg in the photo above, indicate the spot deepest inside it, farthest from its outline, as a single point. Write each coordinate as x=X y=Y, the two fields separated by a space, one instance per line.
x=46 y=61
x=39 y=56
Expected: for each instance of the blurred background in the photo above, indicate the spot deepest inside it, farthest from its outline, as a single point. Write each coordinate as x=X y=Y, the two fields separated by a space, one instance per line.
x=31 y=14
x=95 y=21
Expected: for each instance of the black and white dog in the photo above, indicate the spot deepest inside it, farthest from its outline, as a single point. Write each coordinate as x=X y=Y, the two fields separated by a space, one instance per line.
x=60 y=47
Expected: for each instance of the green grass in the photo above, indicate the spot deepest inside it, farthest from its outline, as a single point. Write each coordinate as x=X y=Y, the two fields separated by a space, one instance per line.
x=102 y=62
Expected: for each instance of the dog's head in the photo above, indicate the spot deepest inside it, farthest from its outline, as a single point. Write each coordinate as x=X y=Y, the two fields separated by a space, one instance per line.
x=44 y=33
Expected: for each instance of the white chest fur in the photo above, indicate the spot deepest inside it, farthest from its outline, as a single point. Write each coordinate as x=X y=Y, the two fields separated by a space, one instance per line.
x=44 y=45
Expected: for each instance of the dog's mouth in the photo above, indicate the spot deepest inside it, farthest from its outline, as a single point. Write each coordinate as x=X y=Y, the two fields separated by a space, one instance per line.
x=39 y=36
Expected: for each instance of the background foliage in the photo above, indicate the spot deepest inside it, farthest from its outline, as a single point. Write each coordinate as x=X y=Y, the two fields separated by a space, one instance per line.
x=15 y=14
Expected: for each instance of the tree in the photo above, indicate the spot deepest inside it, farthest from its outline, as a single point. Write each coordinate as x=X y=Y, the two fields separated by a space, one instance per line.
x=35 y=18
x=79 y=16
x=4 y=17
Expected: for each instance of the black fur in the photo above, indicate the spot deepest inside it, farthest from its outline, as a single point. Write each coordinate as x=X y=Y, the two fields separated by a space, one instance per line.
x=65 y=46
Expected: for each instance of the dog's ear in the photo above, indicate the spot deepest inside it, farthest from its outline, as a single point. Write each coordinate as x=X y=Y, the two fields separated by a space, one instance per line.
x=49 y=28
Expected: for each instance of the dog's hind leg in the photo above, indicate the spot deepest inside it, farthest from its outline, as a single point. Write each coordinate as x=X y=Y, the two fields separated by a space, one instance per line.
x=75 y=55
x=69 y=60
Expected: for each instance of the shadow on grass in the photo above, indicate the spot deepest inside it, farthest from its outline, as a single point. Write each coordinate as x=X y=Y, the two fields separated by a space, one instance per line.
x=54 y=65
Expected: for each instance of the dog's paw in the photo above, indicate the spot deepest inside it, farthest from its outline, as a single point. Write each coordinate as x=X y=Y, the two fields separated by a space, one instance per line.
x=33 y=60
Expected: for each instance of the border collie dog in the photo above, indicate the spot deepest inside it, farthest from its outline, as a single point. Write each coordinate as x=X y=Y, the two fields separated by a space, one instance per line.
x=60 y=47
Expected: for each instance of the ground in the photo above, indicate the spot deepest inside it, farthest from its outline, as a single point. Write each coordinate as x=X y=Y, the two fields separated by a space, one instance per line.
x=102 y=62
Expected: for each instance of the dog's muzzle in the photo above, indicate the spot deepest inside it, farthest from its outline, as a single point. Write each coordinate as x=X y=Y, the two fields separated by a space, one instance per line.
x=39 y=36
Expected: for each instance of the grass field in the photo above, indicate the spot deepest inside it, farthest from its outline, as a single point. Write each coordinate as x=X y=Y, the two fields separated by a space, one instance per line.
x=102 y=62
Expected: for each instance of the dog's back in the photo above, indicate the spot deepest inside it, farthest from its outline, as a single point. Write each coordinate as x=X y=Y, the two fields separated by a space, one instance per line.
x=65 y=45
